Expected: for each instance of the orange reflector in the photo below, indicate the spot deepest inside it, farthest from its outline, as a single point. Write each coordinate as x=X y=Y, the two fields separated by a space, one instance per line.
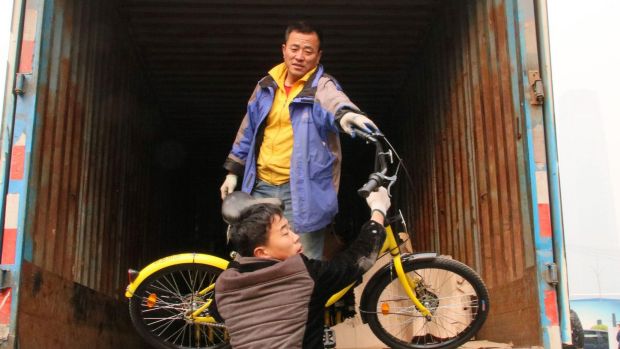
x=385 y=308
x=151 y=300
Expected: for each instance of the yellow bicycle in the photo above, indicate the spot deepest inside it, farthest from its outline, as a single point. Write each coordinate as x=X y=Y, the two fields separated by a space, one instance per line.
x=418 y=300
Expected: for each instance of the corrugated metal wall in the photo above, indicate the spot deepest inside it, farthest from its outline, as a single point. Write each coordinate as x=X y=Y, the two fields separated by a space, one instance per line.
x=101 y=201
x=462 y=140
x=91 y=179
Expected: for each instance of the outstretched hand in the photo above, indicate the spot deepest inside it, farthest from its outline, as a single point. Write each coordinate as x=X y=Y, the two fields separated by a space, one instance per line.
x=351 y=119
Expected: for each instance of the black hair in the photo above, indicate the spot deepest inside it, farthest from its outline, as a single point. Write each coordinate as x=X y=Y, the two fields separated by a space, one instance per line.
x=251 y=231
x=303 y=27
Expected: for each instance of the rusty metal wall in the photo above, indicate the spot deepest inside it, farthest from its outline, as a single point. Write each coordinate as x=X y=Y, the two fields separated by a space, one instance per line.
x=75 y=316
x=92 y=210
x=99 y=204
x=462 y=137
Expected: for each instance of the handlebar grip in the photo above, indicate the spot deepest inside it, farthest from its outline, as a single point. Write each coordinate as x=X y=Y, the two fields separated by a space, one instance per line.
x=373 y=183
x=367 y=136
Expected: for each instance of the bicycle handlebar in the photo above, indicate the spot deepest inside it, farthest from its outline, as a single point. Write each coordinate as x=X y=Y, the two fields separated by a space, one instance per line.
x=367 y=136
x=377 y=178
x=374 y=182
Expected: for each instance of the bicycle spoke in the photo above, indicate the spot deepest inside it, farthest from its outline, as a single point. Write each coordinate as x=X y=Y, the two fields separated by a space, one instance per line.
x=405 y=326
x=185 y=280
x=165 y=289
x=163 y=305
x=174 y=284
x=449 y=297
x=164 y=326
x=202 y=282
x=170 y=308
x=159 y=319
x=178 y=333
x=166 y=304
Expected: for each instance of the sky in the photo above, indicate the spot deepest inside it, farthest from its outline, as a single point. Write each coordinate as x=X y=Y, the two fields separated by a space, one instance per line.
x=585 y=62
x=6 y=7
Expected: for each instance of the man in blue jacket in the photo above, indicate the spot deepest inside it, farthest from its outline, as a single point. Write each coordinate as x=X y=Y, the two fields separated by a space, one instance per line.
x=288 y=143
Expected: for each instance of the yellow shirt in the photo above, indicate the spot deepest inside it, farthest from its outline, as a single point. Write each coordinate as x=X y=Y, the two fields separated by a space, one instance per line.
x=274 y=156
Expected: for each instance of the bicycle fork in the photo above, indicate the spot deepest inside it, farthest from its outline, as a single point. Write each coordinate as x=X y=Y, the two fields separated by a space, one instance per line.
x=408 y=284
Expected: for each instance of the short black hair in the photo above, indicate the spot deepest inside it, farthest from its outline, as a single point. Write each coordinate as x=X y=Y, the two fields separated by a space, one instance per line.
x=303 y=27
x=251 y=231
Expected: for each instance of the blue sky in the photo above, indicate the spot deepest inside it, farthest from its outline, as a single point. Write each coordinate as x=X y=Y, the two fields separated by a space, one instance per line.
x=592 y=310
x=6 y=7
x=585 y=58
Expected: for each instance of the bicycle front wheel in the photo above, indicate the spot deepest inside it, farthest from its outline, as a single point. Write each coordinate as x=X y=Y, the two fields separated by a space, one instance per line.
x=454 y=294
x=161 y=306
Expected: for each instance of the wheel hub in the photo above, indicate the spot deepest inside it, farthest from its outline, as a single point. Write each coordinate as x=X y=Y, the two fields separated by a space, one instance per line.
x=191 y=303
x=428 y=299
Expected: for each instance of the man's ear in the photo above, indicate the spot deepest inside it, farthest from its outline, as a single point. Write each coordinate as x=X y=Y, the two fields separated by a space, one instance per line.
x=283 y=50
x=261 y=252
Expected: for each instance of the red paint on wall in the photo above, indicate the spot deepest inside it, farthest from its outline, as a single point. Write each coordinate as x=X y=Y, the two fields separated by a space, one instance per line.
x=17 y=162
x=544 y=220
x=5 y=306
x=8 y=246
x=551 y=307
x=26 y=57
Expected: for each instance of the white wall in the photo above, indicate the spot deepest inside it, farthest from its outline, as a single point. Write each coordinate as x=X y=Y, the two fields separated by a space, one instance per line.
x=585 y=58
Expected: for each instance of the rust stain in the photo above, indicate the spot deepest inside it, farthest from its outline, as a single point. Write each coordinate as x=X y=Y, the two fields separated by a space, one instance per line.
x=37 y=282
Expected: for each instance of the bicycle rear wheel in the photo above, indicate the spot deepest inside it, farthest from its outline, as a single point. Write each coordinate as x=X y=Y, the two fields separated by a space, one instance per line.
x=455 y=295
x=160 y=307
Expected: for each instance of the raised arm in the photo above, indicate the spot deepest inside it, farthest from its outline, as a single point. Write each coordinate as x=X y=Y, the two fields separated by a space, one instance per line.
x=360 y=256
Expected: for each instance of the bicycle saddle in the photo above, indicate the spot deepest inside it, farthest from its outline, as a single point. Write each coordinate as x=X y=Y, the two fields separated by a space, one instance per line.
x=236 y=203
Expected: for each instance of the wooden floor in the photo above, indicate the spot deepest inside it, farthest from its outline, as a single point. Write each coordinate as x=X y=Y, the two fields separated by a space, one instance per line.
x=469 y=345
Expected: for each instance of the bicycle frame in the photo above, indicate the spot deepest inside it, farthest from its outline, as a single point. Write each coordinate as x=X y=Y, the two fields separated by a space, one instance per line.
x=389 y=245
x=170 y=299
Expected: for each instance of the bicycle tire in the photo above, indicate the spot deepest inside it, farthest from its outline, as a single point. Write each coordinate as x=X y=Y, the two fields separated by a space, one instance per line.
x=160 y=320
x=453 y=292
x=577 y=330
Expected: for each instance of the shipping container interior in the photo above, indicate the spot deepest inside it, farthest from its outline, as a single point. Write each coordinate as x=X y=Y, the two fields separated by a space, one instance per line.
x=139 y=102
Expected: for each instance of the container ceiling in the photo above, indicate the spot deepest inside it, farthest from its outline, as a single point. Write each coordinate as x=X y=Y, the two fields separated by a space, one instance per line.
x=203 y=58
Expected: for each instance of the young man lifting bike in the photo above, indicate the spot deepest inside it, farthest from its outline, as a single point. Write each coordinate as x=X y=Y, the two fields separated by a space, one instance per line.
x=272 y=296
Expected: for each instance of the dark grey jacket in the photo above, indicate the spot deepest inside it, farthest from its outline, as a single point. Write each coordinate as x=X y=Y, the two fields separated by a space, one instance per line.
x=280 y=304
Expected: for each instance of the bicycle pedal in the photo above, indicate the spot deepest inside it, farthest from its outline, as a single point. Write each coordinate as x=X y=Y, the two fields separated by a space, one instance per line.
x=329 y=338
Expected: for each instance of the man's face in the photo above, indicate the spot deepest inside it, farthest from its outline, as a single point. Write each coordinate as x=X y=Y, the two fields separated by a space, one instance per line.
x=282 y=242
x=301 y=54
